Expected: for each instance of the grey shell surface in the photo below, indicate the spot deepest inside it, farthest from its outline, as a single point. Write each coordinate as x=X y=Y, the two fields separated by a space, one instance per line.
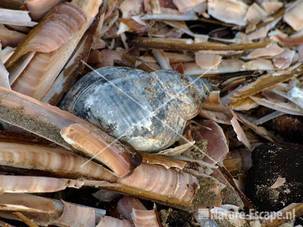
x=147 y=110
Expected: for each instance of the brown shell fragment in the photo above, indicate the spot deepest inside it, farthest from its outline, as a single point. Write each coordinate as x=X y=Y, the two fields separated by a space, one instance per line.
x=126 y=204
x=217 y=147
x=163 y=160
x=10 y=37
x=291 y=41
x=134 y=210
x=269 y=51
x=264 y=82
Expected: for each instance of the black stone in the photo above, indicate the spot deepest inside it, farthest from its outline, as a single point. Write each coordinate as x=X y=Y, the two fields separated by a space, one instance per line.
x=271 y=161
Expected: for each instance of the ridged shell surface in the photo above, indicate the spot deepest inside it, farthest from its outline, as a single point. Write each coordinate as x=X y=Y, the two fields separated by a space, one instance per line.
x=147 y=110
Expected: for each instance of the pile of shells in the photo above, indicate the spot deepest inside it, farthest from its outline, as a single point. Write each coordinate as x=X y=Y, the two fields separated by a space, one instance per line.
x=151 y=113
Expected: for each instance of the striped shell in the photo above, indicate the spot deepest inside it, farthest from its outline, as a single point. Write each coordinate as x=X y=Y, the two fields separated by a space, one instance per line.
x=147 y=110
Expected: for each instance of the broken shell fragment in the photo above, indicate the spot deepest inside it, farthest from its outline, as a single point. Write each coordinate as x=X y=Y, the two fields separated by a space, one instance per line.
x=217 y=146
x=147 y=110
x=10 y=37
x=293 y=15
x=187 y=5
x=126 y=204
x=269 y=51
x=229 y=11
x=255 y=14
x=134 y=210
x=108 y=221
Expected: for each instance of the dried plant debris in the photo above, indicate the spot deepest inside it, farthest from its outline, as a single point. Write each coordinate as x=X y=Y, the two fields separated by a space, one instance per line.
x=150 y=112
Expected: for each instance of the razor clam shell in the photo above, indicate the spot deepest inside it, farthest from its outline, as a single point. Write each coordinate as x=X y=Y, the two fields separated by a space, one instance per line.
x=147 y=110
x=46 y=211
x=54 y=160
x=176 y=187
x=89 y=142
x=34 y=184
x=49 y=121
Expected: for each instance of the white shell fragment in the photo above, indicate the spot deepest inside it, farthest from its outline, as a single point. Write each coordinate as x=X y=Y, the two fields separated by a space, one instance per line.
x=271 y=6
x=295 y=94
x=278 y=183
x=207 y=60
x=226 y=66
x=285 y=59
x=131 y=7
x=269 y=51
x=6 y=53
x=229 y=11
x=255 y=14
x=229 y=66
x=262 y=32
x=294 y=15
x=108 y=221
x=16 y=17
x=4 y=81
x=240 y=132
x=186 y=5
x=258 y=64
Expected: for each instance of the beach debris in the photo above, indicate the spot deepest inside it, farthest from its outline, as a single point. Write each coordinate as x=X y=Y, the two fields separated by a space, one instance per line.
x=179 y=113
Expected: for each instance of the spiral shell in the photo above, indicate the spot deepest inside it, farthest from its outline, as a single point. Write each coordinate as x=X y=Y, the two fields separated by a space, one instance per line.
x=147 y=110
